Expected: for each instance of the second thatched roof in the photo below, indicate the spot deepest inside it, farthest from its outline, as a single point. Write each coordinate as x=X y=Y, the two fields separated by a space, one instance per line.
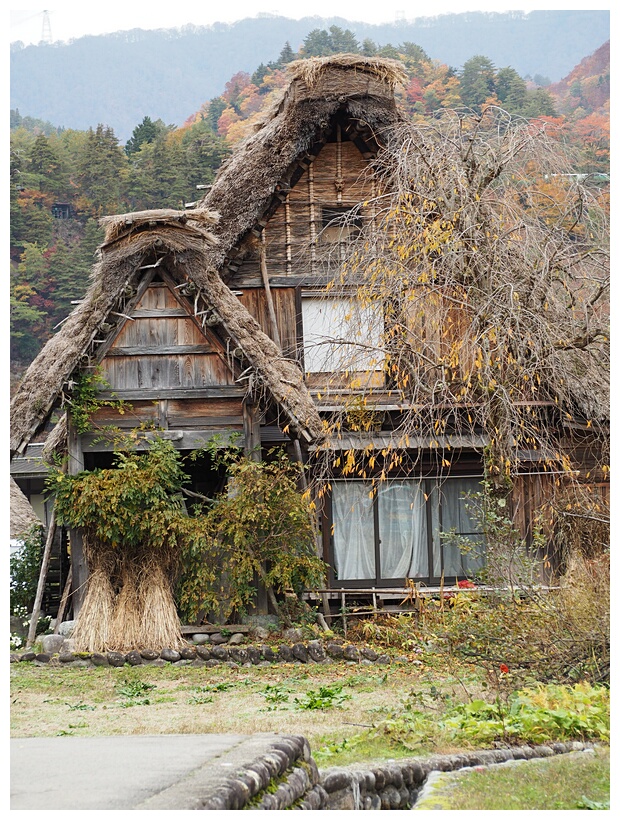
x=181 y=241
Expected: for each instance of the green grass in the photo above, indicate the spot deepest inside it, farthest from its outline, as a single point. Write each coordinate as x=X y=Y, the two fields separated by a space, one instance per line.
x=574 y=781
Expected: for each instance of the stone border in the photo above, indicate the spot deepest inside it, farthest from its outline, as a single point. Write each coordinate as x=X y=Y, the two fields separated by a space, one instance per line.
x=397 y=784
x=243 y=776
x=312 y=652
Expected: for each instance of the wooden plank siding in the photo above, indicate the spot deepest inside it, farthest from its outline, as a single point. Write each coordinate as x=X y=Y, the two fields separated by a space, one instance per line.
x=162 y=347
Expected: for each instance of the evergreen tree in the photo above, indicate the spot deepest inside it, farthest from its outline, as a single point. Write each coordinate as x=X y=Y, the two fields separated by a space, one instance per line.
x=258 y=76
x=539 y=103
x=203 y=153
x=343 y=41
x=389 y=51
x=369 y=47
x=102 y=170
x=287 y=55
x=477 y=81
x=146 y=131
x=317 y=43
x=511 y=90
x=216 y=107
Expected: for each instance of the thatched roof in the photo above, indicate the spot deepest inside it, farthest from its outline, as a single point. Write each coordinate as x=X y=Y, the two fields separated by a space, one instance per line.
x=361 y=87
x=181 y=240
x=22 y=514
x=364 y=89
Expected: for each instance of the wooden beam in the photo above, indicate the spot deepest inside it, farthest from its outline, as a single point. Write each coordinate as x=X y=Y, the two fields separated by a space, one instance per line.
x=36 y=610
x=79 y=567
x=63 y=603
x=180 y=439
x=155 y=393
x=251 y=429
x=162 y=350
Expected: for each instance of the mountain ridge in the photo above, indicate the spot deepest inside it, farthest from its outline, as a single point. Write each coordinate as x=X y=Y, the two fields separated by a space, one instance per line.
x=119 y=78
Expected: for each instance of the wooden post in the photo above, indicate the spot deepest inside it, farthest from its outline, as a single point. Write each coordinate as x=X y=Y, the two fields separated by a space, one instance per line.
x=63 y=603
x=36 y=610
x=275 y=335
x=79 y=568
x=252 y=449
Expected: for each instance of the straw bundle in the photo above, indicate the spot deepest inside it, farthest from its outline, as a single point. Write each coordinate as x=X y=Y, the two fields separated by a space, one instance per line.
x=92 y=630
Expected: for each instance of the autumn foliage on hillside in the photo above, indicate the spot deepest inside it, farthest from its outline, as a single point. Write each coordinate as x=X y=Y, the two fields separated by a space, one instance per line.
x=89 y=173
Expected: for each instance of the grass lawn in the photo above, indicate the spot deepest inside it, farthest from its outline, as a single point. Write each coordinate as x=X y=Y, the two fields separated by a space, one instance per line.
x=334 y=706
x=579 y=780
x=326 y=704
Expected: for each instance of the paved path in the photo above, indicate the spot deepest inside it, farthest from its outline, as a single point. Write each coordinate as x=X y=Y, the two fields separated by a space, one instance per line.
x=133 y=772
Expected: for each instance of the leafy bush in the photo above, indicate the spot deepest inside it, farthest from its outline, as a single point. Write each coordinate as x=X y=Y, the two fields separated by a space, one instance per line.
x=260 y=528
x=25 y=566
x=322 y=698
x=532 y=715
x=546 y=713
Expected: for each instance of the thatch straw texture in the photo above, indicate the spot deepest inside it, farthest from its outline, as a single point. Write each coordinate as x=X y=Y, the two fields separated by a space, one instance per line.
x=91 y=633
x=23 y=517
x=183 y=239
x=362 y=87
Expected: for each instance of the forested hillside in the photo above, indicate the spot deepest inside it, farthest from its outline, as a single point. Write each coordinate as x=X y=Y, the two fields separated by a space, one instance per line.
x=62 y=180
x=119 y=78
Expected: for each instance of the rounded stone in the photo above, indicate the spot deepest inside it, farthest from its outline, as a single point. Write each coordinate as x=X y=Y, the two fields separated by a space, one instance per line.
x=238 y=655
x=217 y=638
x=220 y=653
x=67 y=657
x=203 y=652
x=300 y=652
x=253 y=654
x=316 y=651
x=99 y=660
x=285 y=653
x=149 y=654
x=236 y=639
x=66 y=629
x=188 y=653
x=114 y=659
x=369 y=653
x=211 y=663
x=334 y=650
x=28 y=656
x=52 y=644
x=170 y=655
x=292 y=635
x=134 y=658
x=43 y=657
x=351 y=653
x=200 y=639
x=268 y=653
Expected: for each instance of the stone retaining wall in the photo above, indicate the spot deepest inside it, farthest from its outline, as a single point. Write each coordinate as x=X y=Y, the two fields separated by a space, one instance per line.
x=397 y=784
x=59 y=652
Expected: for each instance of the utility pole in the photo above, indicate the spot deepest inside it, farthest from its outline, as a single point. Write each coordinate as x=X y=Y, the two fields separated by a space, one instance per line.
x=46 y=32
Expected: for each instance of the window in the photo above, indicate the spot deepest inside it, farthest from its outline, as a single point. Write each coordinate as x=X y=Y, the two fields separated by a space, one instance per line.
x=340 y=334
x=400 y=531
x=339 y=224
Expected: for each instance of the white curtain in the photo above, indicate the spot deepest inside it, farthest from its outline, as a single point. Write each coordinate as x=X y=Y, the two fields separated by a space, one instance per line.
x=455 y=515
x=326 y=321
x=403 y=531
x=354 y=538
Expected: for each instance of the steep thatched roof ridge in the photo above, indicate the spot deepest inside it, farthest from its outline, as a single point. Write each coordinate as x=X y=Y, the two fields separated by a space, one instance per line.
x=22 y=514
x=363 y=87
x=182 y=239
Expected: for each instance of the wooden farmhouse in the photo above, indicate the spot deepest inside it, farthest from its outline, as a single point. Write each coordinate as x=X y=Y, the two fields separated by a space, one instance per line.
x=216 y=321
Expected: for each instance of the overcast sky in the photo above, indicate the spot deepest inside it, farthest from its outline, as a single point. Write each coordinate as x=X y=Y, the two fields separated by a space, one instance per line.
x=71 y=20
